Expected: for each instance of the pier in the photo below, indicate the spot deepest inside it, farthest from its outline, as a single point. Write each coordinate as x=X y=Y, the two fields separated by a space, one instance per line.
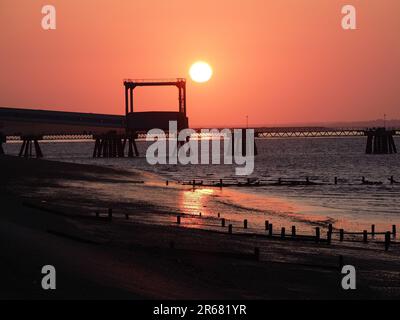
x=380 y=141
x=112 y=133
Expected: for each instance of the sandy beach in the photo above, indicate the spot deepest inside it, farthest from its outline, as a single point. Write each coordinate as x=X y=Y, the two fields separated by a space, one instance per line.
x=96 y=258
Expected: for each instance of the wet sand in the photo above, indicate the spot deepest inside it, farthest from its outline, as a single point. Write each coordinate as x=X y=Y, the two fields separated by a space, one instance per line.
x=98 y=258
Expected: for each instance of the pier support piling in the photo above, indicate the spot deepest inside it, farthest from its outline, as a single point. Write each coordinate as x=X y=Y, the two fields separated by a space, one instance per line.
x=2 y=140
x=380 y=141
x=28 y=143
x=112 y=145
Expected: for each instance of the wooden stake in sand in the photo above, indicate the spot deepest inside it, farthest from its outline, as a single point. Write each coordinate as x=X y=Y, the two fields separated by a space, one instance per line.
x=365 y=236
x=329 y=237
x=293 y=231
x=317 y=234
x=387 y=241
x=270 y=230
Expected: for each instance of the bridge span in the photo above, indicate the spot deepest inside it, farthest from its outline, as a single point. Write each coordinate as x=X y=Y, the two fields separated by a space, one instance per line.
x=30 y=125
x=59 y=125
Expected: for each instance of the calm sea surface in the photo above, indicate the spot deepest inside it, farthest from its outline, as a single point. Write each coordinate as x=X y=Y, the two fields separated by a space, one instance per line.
x=348 y=204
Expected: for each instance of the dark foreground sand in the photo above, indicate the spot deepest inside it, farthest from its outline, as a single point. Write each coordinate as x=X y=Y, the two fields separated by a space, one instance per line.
x=96 y=258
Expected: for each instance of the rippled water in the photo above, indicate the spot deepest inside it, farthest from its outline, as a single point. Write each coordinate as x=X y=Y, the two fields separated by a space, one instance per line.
x=348 y=204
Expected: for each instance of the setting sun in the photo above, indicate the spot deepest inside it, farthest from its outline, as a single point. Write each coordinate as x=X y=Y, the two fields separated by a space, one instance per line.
x=200 y=72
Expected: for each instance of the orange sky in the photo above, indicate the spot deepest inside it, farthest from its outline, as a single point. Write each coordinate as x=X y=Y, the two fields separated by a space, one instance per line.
x=278 y=61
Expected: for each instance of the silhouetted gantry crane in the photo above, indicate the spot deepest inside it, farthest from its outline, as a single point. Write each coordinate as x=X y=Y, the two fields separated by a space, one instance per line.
x=113 y=144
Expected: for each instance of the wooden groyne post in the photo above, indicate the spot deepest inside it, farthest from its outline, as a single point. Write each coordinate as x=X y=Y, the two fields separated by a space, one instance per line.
x=270 y=230
x=245 y=224
x=230 y=229
x=365 y=236
x=223 y=222
x=317 y=234
x=387 y=240
x=3 y=139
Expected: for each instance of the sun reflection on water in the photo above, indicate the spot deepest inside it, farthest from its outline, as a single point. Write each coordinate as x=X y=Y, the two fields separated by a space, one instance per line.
x=195 y=201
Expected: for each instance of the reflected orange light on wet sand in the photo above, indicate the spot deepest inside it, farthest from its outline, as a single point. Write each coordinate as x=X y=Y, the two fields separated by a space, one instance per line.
x=194 y=201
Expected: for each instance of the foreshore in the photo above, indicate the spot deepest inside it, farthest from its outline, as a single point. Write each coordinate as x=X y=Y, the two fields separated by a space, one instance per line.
x=45 y=220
